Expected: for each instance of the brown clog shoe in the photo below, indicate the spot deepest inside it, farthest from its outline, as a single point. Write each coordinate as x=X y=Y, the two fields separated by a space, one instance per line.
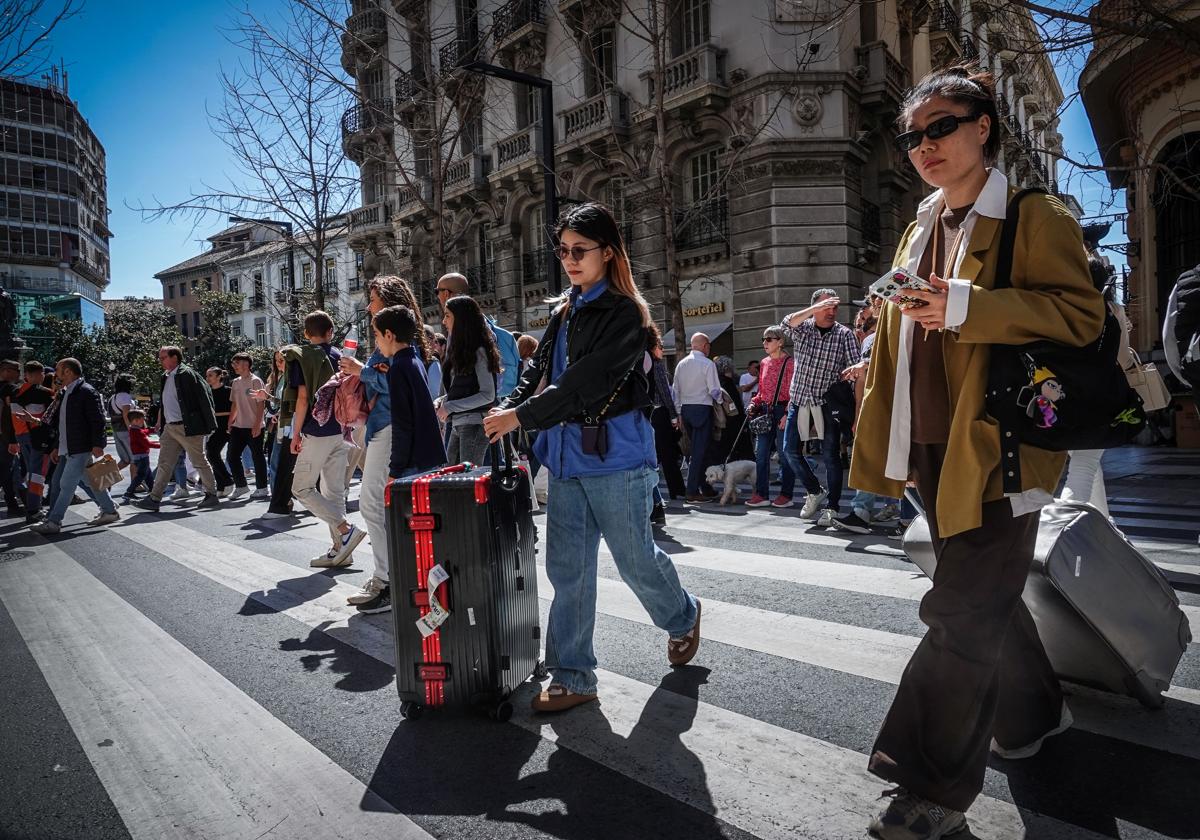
x=558 y=698
x=681 y=651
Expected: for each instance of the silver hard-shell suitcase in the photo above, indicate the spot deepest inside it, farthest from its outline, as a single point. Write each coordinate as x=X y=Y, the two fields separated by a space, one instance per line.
x=1106 y=615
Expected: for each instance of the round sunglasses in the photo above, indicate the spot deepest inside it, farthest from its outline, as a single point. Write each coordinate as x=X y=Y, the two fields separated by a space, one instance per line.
x=575 y=252
x=936 y=130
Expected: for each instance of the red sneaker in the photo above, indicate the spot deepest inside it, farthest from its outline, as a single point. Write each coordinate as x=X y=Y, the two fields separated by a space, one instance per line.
x=782 y=502
x=757 y=501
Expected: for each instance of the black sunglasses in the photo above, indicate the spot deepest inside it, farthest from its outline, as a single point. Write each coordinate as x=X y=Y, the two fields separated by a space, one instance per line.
x=936 y=130
x=575 y=252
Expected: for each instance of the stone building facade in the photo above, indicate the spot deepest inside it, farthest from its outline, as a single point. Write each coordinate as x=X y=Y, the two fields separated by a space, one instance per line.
x=1142 y=96
x=256 y=261
x=779 y=138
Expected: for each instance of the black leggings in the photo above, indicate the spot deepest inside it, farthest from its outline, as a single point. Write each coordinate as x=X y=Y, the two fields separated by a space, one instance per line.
x=239 y=439
x=212 y=448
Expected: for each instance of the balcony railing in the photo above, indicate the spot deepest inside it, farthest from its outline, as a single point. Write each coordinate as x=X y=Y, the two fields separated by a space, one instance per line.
x=604 y=112
x=945 y=19
x=367 y=116
x=280 y=296
x=258 y=301
x=703 y=223
x=354 y=284
x=468 y=173
x=521 y=146
x=533 y=268
x=371 y=217
x=408 y=89
x=330 y=288
x=368 y=26
x=704 y=65
x=457 y=52
x=970 y=52
x=481 y=279
x=884 y=70
x=514 y=15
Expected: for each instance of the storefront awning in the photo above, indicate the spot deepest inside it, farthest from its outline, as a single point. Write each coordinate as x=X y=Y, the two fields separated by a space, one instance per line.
x=713 y=331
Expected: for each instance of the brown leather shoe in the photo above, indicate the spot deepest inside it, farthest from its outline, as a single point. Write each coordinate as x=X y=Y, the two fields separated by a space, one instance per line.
x=681 y=651
x=558 y=698
x=697 y=500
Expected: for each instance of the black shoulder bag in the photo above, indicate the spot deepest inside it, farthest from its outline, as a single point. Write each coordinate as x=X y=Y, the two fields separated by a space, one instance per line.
x=1053 y=396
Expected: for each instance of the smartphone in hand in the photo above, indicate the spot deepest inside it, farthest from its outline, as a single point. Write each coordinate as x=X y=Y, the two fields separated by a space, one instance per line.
x=892 y=286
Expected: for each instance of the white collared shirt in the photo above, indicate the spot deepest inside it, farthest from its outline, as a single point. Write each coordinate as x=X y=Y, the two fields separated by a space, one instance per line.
x=63 y=448
x=172 y=413
x=993 y=203
x=696 y=381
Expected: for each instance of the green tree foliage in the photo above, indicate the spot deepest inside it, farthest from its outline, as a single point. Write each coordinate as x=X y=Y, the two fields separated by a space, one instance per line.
x=127 y=343
x=217 y=343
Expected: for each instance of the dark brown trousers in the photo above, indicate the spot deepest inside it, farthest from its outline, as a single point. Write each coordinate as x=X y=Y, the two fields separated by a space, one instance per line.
x=980 y=671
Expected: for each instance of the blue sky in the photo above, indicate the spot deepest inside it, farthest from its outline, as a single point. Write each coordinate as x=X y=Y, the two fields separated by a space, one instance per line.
x=144 y=72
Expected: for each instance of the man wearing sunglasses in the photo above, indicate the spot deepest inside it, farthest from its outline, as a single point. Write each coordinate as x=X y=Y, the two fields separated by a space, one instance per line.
x=455 y=285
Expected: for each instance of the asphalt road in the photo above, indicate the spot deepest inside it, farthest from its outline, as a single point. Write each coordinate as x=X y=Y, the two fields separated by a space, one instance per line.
x=189 y=676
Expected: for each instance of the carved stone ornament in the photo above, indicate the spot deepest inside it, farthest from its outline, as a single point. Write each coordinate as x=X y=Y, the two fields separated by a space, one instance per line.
x=529 y=55
x=644 y=153
x=566 y=179
x=500 y=197
x=807 y=109
x=597 y=14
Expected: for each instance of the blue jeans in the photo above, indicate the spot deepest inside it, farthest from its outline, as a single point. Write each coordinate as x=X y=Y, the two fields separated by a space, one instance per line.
x=579 y=511
x=37 y=463
x=68 y=474
x=143 y=475
x=831 y=454
x=697 y=419
x=273 y=461
x=762 y=458
x=865 y=502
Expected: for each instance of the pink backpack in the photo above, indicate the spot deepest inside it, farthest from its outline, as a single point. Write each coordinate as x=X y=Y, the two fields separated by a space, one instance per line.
x=350 y=402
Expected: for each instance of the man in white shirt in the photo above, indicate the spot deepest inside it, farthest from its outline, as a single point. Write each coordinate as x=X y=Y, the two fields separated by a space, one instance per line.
x=748 y=384
x=697 y=389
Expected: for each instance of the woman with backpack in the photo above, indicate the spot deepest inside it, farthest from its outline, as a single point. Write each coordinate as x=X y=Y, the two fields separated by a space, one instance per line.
x=471 y=368
x=586 y=392
x=980 y=678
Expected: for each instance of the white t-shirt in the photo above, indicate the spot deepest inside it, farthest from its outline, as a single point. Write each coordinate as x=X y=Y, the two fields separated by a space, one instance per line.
x=747 y=379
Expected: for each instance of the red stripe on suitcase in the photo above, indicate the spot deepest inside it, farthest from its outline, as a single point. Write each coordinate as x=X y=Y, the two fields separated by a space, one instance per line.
x=431 y=646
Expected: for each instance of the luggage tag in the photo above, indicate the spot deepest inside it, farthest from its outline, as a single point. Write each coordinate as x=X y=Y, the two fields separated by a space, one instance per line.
x=432 y=620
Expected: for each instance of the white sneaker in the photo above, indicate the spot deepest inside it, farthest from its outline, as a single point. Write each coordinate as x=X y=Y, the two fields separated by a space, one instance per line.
x=261 y=493
x=1029 y=750
x=238 y=492
x=105 y=519
x=180 y=494
x=825 y=519
x=349 y=542
x=369 y=590
x=812 y=504
x=224 y=492
x=326 y=561
x=274 y=515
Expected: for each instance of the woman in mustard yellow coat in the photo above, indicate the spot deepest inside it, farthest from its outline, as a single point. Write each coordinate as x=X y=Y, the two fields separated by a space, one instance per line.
x=979 y=677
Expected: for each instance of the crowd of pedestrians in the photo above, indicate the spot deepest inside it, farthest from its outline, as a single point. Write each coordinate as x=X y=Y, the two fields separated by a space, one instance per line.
x=899 y=395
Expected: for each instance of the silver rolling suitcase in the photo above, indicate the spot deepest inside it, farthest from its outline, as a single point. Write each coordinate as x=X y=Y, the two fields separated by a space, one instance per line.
x=1106 y=615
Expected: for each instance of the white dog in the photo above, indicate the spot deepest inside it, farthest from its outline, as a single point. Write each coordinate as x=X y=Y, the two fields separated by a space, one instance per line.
x=731 y=475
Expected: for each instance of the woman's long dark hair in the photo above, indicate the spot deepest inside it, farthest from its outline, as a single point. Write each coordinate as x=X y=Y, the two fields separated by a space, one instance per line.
x=470 y=333
x=594 y=221
x=123 y=384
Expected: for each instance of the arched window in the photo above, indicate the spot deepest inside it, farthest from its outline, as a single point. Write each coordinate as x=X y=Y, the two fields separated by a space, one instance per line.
x=1176 y=213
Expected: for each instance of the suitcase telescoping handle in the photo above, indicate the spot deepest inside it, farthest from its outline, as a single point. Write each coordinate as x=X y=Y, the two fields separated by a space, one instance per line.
x=508 y=472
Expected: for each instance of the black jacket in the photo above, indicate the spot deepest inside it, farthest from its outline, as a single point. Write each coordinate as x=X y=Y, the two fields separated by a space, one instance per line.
x=195 y=401
x=85 y=420
x=605 y=341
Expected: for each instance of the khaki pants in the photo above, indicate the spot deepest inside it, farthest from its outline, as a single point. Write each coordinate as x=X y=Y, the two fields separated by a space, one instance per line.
x=173 y=441
x=357 y=458
x=322 y=458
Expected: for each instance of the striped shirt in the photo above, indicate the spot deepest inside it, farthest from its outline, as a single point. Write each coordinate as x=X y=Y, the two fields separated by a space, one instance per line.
x=820 y=359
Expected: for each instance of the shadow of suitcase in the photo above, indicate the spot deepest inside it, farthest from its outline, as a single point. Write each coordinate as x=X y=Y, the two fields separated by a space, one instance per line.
x=1106 y=615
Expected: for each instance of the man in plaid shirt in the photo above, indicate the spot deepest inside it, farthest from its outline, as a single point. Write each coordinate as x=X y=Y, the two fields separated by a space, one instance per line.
x=823 y=349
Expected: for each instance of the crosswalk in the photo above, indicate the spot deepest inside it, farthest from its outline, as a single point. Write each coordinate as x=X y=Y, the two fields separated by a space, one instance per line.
x=203 y=682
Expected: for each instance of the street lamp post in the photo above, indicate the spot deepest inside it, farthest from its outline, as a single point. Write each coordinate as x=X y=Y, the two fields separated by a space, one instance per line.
x=548 y=184
x=286 y=227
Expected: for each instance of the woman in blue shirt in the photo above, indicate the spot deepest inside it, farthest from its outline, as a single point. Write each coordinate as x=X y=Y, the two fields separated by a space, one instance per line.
x=383 y=291
x=586 y=390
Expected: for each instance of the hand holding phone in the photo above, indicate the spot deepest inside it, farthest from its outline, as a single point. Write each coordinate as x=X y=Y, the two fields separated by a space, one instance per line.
x=892 y=286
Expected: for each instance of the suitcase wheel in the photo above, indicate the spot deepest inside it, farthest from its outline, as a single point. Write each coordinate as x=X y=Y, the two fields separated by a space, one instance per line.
x=502 y=711
x=539 y=671
x=411 y=711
